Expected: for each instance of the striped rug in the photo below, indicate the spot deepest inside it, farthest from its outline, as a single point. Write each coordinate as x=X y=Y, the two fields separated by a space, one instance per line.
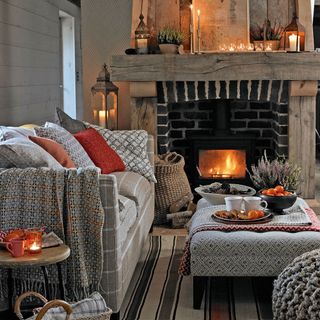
x=158 y=292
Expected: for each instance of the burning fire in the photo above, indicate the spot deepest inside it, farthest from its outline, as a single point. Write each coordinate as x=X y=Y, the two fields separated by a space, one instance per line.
x=223 y=164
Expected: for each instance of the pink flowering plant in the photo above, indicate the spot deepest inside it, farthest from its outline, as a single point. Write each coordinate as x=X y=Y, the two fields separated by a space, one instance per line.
x=270 y=173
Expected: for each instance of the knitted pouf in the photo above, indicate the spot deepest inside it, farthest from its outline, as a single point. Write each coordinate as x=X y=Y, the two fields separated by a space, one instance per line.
x=296 y=293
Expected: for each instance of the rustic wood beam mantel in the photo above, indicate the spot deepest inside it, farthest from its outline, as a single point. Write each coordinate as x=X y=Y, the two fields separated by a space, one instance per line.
x=217 y=66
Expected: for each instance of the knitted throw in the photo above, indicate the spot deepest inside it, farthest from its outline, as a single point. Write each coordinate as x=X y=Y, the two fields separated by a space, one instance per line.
x=66 y=202
x=296 y=293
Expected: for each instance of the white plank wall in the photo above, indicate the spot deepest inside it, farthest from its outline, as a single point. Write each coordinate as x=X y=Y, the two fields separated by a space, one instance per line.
x=30 y=62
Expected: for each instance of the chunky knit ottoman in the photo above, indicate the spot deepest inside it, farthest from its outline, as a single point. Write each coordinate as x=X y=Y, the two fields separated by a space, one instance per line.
x=243 y=253
x=296 y=293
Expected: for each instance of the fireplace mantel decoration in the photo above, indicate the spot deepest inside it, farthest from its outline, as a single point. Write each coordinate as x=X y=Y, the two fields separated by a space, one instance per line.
x=283 y=78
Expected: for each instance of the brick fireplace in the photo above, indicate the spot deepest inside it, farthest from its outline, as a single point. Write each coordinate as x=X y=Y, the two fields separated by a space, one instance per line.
x=210 y=120
x=270 y=95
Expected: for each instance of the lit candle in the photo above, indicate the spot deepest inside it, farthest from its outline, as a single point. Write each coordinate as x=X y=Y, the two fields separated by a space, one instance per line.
x=268 y=48
x=198 y=31
x=142 y=45
x=191 y=28
x=35 y=248
x=102 y=118
x=250 y=47
x=293 y=38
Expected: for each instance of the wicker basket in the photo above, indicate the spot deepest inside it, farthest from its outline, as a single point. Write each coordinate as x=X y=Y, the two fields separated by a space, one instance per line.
x=55 y=303
x=172 y=184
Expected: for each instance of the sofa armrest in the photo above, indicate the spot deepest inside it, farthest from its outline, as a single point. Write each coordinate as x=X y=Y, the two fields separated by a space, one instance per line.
x=150 y=149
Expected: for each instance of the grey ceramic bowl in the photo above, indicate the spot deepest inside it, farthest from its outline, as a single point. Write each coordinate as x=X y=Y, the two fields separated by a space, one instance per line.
x=277 y=204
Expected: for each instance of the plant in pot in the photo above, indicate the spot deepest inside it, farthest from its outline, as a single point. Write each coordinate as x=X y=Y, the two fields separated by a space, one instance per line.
x=169 y=40
x=267 y=35
x=277 y=180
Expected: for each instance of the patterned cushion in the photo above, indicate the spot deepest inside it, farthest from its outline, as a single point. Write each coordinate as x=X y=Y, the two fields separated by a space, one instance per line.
x=131 y=146
x=99 y=151
x=7 y=133
x=134 y=186
x=55 y=149
x=71 y=125
x=23 y=153
x=69 y=142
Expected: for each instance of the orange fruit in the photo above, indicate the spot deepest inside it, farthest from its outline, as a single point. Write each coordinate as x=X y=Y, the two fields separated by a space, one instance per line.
x=279 y=189
x=264 y=192
x=270 y=192
x=259 y=213
x=252 y=214
x=279 y=194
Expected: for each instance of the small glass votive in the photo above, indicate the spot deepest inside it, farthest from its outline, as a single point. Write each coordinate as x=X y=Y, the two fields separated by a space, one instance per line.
x=34 y=241
x=250 y=47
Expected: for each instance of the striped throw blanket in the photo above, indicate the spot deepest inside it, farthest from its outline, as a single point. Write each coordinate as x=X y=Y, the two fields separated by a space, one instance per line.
x=66 y=202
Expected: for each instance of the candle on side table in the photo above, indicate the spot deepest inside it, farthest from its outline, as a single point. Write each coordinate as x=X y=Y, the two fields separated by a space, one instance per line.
x=34 y=241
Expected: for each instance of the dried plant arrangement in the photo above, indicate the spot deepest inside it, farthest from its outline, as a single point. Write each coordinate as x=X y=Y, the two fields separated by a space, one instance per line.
x=266 y=31
x=169 y=35
x=270 y=173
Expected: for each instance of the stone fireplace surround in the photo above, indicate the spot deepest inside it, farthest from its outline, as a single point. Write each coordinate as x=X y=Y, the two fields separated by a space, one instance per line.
x=258 y=107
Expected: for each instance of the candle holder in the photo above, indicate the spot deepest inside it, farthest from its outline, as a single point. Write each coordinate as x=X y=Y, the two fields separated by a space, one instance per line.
x=34 y=241
x=294 y=36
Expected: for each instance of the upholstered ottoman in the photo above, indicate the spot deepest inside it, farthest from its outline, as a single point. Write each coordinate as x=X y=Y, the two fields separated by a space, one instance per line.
x=242 y=253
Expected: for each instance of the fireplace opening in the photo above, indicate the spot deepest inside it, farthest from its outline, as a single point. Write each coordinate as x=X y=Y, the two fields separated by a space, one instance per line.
x=222 y=164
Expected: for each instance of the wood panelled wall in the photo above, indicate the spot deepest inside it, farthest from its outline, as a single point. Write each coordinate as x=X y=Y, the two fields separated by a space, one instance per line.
x=159 y=13
x=30 y=59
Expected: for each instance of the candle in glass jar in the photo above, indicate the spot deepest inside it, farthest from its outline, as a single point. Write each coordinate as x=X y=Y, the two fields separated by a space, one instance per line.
x=35 y=248
x=268 y=48
x=293 y=38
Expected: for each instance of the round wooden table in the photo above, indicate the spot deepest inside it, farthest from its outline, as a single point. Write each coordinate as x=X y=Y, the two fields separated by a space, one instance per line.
x=48 y=256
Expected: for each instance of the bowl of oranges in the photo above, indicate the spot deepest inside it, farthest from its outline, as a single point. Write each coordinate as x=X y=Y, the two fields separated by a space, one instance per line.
x=278 y=198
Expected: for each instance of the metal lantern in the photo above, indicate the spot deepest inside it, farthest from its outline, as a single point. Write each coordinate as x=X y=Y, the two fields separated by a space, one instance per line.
x=294 y=36
x=142 y=35
x=108 y=112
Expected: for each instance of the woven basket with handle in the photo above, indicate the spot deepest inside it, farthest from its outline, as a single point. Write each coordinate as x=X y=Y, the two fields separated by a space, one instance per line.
x=172 y=184
x=56 y=303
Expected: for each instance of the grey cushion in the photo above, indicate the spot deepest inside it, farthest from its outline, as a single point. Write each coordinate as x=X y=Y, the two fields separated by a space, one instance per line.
x=134 y=186
x=7 y=133
x=69 y=142
x=70 y=124
x=23 y=153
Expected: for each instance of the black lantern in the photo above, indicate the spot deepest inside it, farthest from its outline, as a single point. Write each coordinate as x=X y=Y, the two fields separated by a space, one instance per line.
x=142 y=35
x=107 y=113
x=294 y=36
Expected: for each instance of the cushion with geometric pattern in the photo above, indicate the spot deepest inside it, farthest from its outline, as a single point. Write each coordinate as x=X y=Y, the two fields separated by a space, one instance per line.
x=131 y=146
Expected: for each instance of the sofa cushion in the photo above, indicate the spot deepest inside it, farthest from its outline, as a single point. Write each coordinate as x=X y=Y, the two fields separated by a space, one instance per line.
x=131 y=146
x=7 y=133
x=55 y=149
x=134 y=186
x=128 y=217
x=70 y=124
x=69 y=142
x=23 y=153
x=102 y=155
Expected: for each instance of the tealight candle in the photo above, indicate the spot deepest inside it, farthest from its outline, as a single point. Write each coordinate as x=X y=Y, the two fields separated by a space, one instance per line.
x=268 y=48
x=250 y=47
x=34 y=241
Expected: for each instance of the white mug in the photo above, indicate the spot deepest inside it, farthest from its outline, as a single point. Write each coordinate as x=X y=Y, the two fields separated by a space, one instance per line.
x=254 y=203
x=233 y=203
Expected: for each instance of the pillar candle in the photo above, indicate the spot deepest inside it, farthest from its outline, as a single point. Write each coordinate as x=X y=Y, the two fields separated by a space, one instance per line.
x=102 y=118
x=293 y=38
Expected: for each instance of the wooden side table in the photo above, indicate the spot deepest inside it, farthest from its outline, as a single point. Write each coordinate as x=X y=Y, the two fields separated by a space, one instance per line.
x=48 y=256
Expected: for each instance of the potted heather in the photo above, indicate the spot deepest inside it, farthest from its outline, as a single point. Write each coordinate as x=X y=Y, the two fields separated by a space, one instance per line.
x=169 y=40
x=267 y=35
x=271 y=173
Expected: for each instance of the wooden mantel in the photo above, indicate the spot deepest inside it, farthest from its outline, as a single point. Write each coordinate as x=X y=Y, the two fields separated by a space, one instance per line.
x=217 y=66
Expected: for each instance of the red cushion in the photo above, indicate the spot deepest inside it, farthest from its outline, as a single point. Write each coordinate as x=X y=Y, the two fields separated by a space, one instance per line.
x=102 y=155
x=55 y=149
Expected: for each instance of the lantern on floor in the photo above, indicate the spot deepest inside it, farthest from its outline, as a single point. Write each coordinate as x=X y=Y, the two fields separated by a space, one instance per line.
x=294 y=36
x=142 y=35
x=107 y=113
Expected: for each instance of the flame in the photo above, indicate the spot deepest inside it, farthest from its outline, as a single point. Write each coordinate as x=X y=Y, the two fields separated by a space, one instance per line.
x=222 y=163
x=35 y=246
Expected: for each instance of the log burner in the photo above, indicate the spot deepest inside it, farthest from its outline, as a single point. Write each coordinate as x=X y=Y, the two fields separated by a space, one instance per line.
x=223 y=156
